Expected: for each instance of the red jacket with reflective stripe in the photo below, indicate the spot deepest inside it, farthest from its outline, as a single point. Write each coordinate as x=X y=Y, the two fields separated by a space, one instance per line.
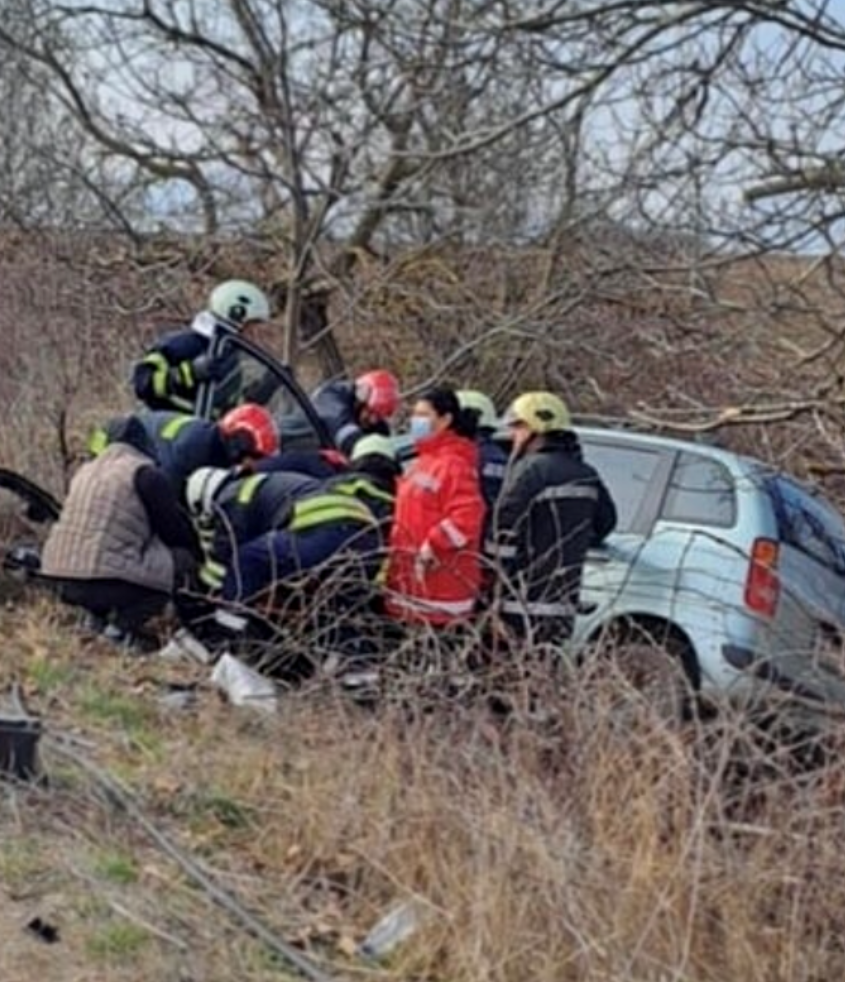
x=439 y=508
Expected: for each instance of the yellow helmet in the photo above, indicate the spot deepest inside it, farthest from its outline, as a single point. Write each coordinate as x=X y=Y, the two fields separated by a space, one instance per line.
x=480 y=403
x=541 y=412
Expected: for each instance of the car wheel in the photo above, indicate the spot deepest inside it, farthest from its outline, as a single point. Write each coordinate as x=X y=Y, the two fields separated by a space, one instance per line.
x=656 y=666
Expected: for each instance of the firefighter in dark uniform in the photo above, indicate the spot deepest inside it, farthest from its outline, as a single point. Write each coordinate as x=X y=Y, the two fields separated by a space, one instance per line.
x=493 y=462
x=258 y=528
x=352 y=409
x=261 y=531
x=553 y=508
x=182 y=444
x=170 y=373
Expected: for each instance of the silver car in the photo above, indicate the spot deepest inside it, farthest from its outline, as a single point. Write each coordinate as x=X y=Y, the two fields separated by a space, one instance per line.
x=736 y=568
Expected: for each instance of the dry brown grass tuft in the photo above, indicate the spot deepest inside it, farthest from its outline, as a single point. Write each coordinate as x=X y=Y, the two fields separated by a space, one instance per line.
x=585 y=844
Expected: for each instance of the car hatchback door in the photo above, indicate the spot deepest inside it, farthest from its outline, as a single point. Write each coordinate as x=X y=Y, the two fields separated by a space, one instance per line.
x=812 y=557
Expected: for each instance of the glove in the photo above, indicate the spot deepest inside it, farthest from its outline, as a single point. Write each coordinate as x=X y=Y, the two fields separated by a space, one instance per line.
x=208 y=369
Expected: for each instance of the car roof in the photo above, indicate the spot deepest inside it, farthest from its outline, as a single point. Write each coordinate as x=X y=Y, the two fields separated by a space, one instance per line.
x=736 y=463
x=732 y=460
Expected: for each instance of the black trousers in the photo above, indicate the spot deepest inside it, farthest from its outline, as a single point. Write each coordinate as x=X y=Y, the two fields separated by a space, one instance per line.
x=542 y=630
x=129 y=605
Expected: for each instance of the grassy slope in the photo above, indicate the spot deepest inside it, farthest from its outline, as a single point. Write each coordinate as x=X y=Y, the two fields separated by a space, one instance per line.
x=592 y=851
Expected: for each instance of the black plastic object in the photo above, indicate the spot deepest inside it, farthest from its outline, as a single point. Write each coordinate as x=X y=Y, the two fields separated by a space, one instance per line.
x=22 y=560
x=41 y=505
x=44 y=931
x=19 y=736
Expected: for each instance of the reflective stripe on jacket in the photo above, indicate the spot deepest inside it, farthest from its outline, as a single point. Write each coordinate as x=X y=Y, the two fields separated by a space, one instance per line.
x=552 y=510
x=329 y=508
x=184 y=443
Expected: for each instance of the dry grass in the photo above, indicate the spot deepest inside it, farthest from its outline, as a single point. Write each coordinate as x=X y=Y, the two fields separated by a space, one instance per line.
x=595 y=847
x=590 y=847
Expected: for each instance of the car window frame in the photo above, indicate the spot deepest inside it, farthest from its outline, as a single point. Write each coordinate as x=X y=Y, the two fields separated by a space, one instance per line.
x=698 y=521
x=649 y=508
x=205 y=400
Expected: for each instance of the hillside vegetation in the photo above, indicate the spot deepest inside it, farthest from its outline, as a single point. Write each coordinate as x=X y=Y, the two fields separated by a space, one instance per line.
x=588 y=842
x=747 y=351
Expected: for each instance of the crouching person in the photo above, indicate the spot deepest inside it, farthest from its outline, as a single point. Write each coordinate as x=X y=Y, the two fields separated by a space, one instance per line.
x=553 y=508
x=122 y=544
x=272 y=539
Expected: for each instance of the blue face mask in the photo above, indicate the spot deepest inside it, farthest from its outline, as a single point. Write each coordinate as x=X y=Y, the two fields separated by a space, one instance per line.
x=420 y=427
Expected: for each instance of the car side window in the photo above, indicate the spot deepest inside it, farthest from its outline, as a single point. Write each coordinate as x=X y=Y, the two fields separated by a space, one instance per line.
x=628 y=474
x=700 y=491
x=809 y=523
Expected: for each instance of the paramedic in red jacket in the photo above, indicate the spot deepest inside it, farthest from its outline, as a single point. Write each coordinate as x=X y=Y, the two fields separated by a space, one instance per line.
x=434 y=570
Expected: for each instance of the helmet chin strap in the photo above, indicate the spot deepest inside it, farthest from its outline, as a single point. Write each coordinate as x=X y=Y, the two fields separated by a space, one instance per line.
x=533 y=441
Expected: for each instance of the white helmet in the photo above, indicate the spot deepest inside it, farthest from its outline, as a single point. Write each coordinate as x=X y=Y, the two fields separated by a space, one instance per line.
x=480 y=403
x=237 y=302
x=373 y=445
x=202 y=488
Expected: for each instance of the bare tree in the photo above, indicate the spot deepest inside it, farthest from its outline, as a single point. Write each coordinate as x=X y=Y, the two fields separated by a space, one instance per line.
x=641 y=148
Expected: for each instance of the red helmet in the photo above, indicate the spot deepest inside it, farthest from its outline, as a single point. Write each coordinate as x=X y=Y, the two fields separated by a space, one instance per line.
x=378 y=390
x=255 y=426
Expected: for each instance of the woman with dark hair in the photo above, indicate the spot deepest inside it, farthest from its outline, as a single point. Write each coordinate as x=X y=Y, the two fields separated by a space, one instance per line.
x=434 y=569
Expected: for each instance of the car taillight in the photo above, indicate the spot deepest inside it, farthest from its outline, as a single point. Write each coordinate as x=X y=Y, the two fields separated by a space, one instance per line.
x=762 y=586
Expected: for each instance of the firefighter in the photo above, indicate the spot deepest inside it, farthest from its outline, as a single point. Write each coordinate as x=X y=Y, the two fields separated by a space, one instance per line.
x=232 y=507
x=260 y=528
x=493 y=457
x=182 y=443
x=350 y=410
x=171 y=371
x=552 y=509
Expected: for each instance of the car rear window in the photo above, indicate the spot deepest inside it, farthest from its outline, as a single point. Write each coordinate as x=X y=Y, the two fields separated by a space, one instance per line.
x=700 y=491
x=808 y=522
x=628 y=473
